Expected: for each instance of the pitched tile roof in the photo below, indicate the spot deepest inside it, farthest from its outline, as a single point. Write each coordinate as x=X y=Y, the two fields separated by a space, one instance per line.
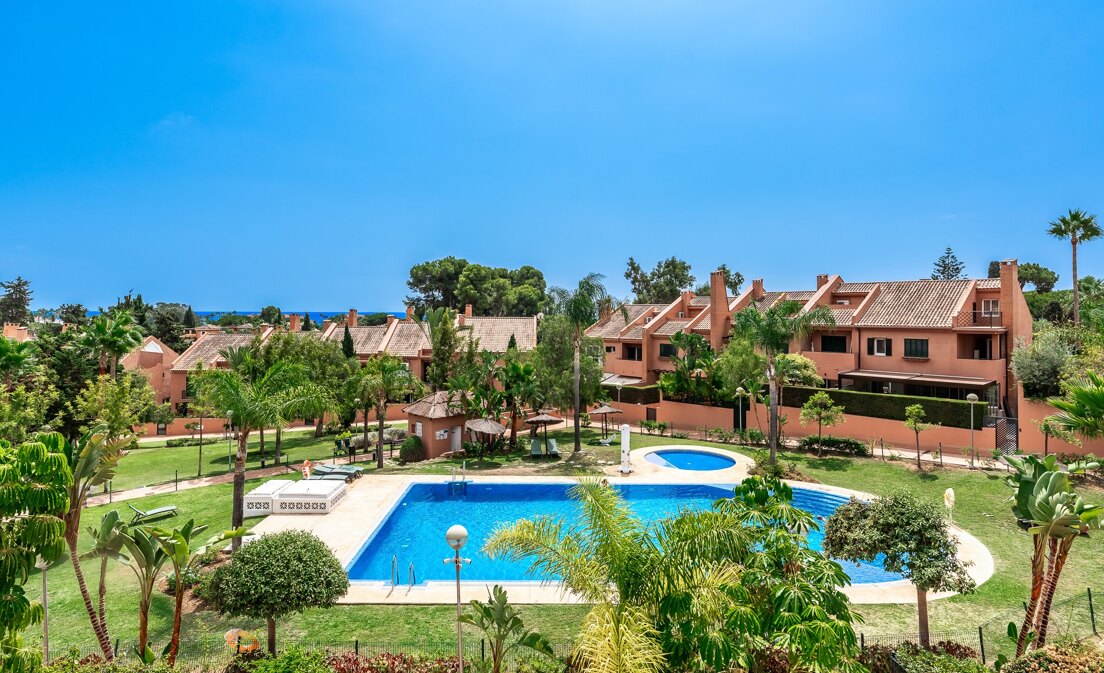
x=768 y=300
x=633 y=334
x=800 y=295
x=366 y=340
x=842 y=315
x=206 y=350
x=611 y=327
x=494 y=333
x=671 y=326
x=441 y=404
x=700 y=300
x=408 y=340
x=988 y=283
x=915 y=303
x=855 y=288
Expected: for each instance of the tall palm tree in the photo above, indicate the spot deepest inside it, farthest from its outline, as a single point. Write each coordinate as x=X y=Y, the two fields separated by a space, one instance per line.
x=278 y=394
x=581 y=307
x=92 y=459
x=519 y=385
x=380 y=381
x=1077 y=227
x=110 y=337
x=15 y=356
x=772 y=331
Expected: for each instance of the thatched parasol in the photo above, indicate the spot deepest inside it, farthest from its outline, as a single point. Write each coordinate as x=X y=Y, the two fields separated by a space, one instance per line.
x=544 y=419
x=485 y=425
x=605 y=410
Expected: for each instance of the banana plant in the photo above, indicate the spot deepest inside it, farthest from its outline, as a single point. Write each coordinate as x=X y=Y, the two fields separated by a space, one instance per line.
x=147 y=560
x=503 y=628
x=176 y=544
x=107 y=545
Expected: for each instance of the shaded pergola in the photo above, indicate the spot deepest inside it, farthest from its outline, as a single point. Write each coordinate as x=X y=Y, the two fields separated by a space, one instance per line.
x=543 y=419
x=605 y=410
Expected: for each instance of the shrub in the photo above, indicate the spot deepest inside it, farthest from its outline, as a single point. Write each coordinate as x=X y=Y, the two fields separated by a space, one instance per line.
x=912 y=659
x=295 y=660
x=678 y=434
x=837 y=444
x=1066 y=658
x=411 y=450
x=190 y=441
x=191 y=578
x=754 y=436
x=948 y=413
x=391 y=663
x=74 y=663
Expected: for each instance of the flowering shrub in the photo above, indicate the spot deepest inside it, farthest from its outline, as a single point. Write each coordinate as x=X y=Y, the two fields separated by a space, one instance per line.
x=391 y=663
x=1076 y=658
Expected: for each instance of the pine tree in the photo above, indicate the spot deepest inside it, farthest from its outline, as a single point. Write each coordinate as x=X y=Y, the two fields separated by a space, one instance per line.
x=347 y=344
x=15 y=302
x=994 y=269
x=512 y=345
x=190 y=319
x=948 y=267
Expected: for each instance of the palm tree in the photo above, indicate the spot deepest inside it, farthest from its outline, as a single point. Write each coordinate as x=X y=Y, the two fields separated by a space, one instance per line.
x=176 y=543
x=277 y=395
x=110 y=337
x=519 y=385
x=15 y=356
x=1077 y=227
x=92 y=459
x=581 y=307
x=107 y=545
x=383 y=380
x=772 y=331
x=147 y=560
x=1082 y=409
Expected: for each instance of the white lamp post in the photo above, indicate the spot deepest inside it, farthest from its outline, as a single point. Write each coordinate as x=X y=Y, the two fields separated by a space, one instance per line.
x=971 y=398
x=457 y=537
x=619 y=386
x=229 y=437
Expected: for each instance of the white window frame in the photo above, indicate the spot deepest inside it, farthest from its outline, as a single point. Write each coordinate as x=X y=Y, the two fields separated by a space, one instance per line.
x=990 y=307
x=884 y=346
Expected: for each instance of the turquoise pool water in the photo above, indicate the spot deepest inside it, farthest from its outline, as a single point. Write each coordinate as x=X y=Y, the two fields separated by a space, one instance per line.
x=689 y=459
x=414 y=531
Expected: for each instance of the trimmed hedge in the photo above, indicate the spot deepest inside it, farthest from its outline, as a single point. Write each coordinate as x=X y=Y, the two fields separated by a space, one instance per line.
x=191 y=441
x=634 y=394
x=834 y=444
x=948 y=413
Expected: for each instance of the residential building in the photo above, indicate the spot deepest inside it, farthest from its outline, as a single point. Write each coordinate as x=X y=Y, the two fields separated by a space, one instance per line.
x=154 y=360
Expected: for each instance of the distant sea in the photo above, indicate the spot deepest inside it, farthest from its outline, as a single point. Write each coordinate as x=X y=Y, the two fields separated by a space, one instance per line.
x=315 y=316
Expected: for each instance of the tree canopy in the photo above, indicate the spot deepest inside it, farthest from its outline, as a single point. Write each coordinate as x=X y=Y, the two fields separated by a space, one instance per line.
x=453 y=282
x=734 y=280
x=948 y=266
x=661 y=285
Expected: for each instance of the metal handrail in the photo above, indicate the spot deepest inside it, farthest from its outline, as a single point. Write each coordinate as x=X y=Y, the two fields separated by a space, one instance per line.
x=394 y=570
x=413 y=579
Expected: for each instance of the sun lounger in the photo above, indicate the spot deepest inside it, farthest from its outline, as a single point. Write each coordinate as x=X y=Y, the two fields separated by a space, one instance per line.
x=553 y=450
x=605 y=442
x=330 y=476
x=537 y=449
x=339 y=469
x=141 y=516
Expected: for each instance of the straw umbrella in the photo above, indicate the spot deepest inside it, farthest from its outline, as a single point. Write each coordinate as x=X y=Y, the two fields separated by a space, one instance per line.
x=544 y=419
x=485 y=426
x=605 y=410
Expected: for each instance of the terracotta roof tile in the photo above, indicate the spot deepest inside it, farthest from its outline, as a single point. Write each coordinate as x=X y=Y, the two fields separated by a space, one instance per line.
x=611 y=327
x=494 y=333
x=407 y=341
x=671 y=326
x=800 y=295
x=366 y=340
x=206 y=350
x=988 y=283
x=915 y=303
x=855 y=288
x=441 y=404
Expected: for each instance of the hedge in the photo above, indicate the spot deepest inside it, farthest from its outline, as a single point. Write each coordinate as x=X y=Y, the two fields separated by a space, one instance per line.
x=948 y=413
x=634 y=394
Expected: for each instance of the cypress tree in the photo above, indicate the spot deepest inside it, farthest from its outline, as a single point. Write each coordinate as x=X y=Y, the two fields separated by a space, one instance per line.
x=190 y=319
x=347 y=344
x=307 y=324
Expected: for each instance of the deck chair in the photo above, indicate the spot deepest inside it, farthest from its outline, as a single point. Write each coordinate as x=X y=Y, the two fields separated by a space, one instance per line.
x=330 y=476
x=553 y=450
x=141 y=516
x=537 y=448
x=605 y=442
x=350 y=470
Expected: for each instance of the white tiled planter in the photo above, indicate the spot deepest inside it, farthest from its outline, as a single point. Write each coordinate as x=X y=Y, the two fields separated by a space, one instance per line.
x=308 y=497
x=258 y=502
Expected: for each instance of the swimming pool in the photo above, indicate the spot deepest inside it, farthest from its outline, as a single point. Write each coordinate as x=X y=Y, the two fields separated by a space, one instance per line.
x=414 y=531
x=690 y=459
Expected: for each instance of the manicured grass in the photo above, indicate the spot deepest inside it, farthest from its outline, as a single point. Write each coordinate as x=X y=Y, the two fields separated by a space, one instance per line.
x=982 y=509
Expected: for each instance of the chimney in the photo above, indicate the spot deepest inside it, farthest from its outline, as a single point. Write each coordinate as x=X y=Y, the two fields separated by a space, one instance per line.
x=390 y=318
x=410 y=314
x=326 y=324
x=605 y=311
x=718 y=310
x=1009 y=285
x=351 y=321
x=293 y=323
x=757 y=291
x=468 y=310
x=822 y=280
x=460 y=318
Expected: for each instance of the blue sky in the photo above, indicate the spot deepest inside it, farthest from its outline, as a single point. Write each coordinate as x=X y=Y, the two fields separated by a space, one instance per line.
x=233 y=154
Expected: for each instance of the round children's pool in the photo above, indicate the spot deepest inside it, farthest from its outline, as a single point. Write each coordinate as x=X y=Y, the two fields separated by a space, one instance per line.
x=690 y=459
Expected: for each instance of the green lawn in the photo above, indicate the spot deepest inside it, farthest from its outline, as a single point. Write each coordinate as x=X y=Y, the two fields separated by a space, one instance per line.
x=982 y=509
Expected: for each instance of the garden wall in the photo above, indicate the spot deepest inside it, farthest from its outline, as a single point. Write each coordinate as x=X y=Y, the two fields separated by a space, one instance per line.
x=1031 y=440
x=683 y=416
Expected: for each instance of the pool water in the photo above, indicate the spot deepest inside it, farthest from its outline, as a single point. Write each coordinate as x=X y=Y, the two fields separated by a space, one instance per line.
x=689 y=459
x=414 y=531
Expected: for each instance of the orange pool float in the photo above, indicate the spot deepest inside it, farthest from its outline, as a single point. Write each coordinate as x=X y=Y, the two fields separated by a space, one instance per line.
x=248 y=641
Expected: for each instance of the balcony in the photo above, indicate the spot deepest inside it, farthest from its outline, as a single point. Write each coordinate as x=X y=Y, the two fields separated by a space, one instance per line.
x=978 y=320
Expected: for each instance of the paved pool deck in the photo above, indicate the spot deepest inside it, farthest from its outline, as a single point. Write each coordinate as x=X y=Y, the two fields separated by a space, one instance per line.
x=370 y=499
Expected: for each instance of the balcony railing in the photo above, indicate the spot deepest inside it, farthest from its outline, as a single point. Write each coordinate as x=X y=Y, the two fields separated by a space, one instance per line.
x=978 y=319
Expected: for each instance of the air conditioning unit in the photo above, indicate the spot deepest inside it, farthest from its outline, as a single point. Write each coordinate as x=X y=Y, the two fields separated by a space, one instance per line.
x=681 y=314
x=843 y=302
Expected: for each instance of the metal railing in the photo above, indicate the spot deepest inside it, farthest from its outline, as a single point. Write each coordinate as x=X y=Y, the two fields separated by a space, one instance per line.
x=978 y=319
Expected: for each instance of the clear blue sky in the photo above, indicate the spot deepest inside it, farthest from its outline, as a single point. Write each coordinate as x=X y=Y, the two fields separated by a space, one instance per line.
x=234 y=154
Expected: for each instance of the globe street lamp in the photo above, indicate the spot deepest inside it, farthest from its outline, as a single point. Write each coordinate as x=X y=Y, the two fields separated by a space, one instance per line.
x=229 y=437
x=619 y=387
x=971 y=398
x=740 y=392
x=457 y=537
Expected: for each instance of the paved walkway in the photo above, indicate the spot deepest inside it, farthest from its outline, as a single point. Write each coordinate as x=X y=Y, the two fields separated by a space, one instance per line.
x=170 y=487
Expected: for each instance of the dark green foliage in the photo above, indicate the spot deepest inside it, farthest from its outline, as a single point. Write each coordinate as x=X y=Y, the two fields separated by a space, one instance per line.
x=307 y=324
x=1040 y=277
x=278 y=575
x=190 y=319
x=411 y=450
x=948 y=266
x=68 y=366
x=633 y=394
x=372 y=320
x=912 y=659
x=15 y=302
x=272 y=315
x=994 y=269
x=696 y=379
x=846 y=445
x=1066 y=658
x=734 y=280
x=73 y=314
x=295 y=660
x=662 y=284
x=191 y=441
x=452 y=282
x=948 y=413
x=347 y=348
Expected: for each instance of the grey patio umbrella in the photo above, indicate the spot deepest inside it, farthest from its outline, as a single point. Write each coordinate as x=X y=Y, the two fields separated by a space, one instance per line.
x=605 y=410
x=544 y=419
x=485 y=426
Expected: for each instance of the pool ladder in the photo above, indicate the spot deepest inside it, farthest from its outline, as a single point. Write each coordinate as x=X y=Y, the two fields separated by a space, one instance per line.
x=411 y=576
x=459 y=486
